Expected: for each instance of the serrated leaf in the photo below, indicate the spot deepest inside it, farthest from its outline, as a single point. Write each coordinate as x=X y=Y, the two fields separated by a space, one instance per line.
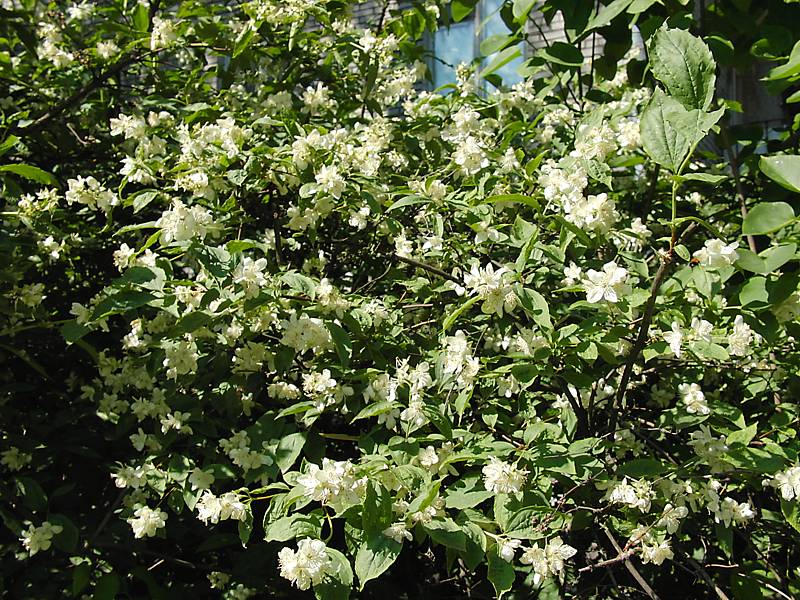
x=685 y=65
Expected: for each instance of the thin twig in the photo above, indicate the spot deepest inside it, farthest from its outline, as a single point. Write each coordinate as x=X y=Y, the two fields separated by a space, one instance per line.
x=426 y=267
x=631 y=569
x=698 y=568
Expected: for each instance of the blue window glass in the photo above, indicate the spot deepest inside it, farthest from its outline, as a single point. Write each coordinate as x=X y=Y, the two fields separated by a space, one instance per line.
x=492 y=24
x=451 y=47
x=460 y=43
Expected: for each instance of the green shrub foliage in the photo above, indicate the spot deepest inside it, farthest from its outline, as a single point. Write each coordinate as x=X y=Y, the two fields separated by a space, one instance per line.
x=279 y=319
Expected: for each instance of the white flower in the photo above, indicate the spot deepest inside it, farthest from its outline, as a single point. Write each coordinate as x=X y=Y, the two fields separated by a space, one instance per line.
x=398 y=532
x=656 y=552
x=637 y=494
x=330 y=181
x=507 y=548
x=788 y=482
x=608 y=284
x=701 y=330
x=164 y=34
x=414 y=413
x=572 y=274
x=694 y=398
x=741 y=338
x=470 y=156
x=671 y=518
x=716 y=254
x=730 y=511
x=308 y=565
x=503 y=478
x=335 y=484
x=39 y=538
x=548 y=560
x=201 y=480
x=146 y=521
x=674 y=339
x=181 y=223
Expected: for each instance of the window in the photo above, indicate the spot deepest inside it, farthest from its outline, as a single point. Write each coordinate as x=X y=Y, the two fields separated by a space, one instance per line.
x=460 y=43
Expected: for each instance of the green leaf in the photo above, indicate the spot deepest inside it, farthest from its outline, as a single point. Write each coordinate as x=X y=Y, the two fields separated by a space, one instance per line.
x=768 y=261
x=407 y=201
x=742 y=436
x=791 y=511
x=30 y=172
x=447 y=533
x=562 y=53
x=607 y=13
x=71 y=331
x=521 y=8
x=459 y=9
x=67 y=540
x=495 y=43
x=289 y=449
x=245 y=527
x=338 y=585
x=704 y=178
x=500 y=573
x=521 y=198
x=462 y=495
x=767 y=217
x=685 y=65
x=754 y=292
x=80 y=578
x=341 y=343
x=670 y=132
x=500 y=60
x=453 y=317
x=536 y=306
x=374 y=556
x=107 y=587
x=783 y=170
x=7 y=144
x=709 y=350
x=377 y=512
x=294 y=526
x=790 y=68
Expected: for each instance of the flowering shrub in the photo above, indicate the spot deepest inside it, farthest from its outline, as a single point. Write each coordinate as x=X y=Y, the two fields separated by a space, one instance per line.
x=488 y=340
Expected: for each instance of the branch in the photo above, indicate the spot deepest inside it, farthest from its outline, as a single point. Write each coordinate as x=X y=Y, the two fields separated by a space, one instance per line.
x=41 y=122
x=426 y=267
x=698 y=568
x=641 y=340
x=631 y=569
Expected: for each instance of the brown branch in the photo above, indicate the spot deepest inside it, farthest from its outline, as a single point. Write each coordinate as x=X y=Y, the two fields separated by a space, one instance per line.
x=737 y=181
x=42 y=121
x=698 y=568
x=631 y=569
x=426 y=267
x=641 y=340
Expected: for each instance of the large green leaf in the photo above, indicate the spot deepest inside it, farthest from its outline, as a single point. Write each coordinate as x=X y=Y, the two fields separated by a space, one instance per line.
x=783 y=170
x=374 y=556
x=767 y=217
x=500 y=573
x=30 y=172
x=670 y=132
x=685 y=65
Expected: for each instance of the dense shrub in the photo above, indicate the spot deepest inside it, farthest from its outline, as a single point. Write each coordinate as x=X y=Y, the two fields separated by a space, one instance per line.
x=276 y=318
